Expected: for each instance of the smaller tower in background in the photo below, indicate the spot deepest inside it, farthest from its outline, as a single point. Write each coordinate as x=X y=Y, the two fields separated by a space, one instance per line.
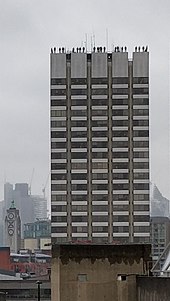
x=13 y=228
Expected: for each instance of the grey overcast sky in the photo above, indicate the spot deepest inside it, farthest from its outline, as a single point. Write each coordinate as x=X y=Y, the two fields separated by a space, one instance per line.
x=28 y=28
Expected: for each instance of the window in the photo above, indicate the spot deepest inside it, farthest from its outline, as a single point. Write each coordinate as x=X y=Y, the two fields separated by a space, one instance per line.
x=56 y=219
x=77 y=155
x=120 y=101
x=120 y=165
x=76 y=134
x=99 y=186
x=58 y=81
x=99 y=80
x=58 y=155
x=56 y=134
x=140 y=144
x=78 y=81
x=140 y=80
x=58 y=92
x=120 y=123
x=99 y=91
x=120 y=80
x=140 y=122
x=98 y=102
x=121 y=186
x=76 y=187
x=141 y=133
x=99 y=112
x=120 y=112
x=58 y=229
x=58 y=123
x=56 y=145
x=120 y=91
x=140 y=101
x=141 y=154
x=79 y=92
x=141 y=112
x=60 y=187
x=58 y=166
x=141 y=186
x=58 y=176
x=140 y=91
x=82 y=277
x=117 y=176
x=120 y=154
x=120 y=144
x=79 y=144
x=78 y=112
x=140 y=165
x=58 y=102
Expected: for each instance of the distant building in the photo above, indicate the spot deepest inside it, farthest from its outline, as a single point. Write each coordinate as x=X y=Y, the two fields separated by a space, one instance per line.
x=40 y=207
x=22 y=200
x=159 y=204
x=31 y=207
x=13 y=229
x=37 y=235
x=160 y=237
x=100 y=146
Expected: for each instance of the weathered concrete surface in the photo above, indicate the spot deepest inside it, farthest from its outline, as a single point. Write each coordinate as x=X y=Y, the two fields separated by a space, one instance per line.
x=153 y=289
x=89 y=272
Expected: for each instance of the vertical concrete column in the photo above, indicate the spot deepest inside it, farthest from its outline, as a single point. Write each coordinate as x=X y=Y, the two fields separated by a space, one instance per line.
x=110 y=192
x=130 y=75
x=55 y=279
x=126 y=288
x=89 y=160
x=68 y=71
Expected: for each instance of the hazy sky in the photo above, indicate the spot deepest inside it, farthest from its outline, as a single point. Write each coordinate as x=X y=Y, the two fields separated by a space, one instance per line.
x=28 y=29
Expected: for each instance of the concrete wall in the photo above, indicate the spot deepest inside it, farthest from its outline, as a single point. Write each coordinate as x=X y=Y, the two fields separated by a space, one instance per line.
x=58 y=65
x=141 y=64
x=89 y=272
x=153 y=289
x=99 y=64
x=119 y=64
x=78 y=65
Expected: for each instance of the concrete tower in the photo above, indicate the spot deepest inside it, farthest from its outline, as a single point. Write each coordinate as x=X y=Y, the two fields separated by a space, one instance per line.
x=100 y=146
x=13 y=229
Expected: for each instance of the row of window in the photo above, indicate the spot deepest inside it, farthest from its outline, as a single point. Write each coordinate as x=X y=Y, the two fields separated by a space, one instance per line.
x=98 y=123
x=99 y=208
x=115 y=144
x=99 y=102
x=100 y=80
x=99 y=197
x=117 y=186
x=100 y=165
x=100 y=176
x=115 y=112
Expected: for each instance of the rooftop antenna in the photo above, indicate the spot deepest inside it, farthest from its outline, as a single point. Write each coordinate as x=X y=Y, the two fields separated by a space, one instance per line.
x=94 y=42
x=29 y=187
x=107 y=40
x=86 y=41
x=91 y=43
x=4 y=177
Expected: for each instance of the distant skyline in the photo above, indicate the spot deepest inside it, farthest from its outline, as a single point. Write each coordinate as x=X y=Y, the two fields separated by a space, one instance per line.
x=28 y=29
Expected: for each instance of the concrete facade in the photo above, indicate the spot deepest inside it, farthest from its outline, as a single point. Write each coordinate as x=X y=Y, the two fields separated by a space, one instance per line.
x=100 y=146
x=90 y=272
x=153 y=289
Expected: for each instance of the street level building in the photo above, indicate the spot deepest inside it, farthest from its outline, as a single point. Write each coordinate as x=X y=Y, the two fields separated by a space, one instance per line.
x=100 y=146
